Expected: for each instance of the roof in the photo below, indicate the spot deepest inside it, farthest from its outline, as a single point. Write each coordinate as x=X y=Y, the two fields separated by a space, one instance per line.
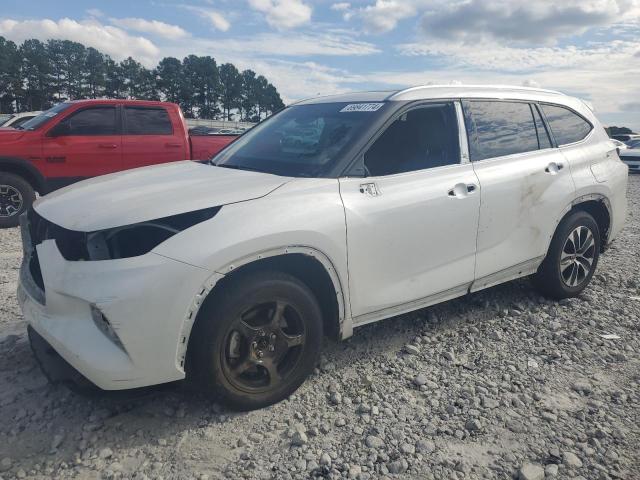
x=118 y=101
x=425 y=92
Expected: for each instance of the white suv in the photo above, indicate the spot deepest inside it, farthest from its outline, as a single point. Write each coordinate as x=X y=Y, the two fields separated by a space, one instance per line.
x=334 y=213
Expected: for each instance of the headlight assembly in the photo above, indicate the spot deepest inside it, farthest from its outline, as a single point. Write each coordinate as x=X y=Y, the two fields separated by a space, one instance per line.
x=122 y=242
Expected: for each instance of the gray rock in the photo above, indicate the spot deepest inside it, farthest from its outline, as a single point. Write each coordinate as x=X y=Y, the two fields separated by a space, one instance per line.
x=531 y=471
x=551 y=470
x=335 y=398
x=398 y=466
x=5 y=464
x=420 y=379
x=473 y=425
x=411 y=349
x=374 y=442
x=325 y=459
x=571 y=460
x=105 y=453
x=425 y=446
x=299 y=438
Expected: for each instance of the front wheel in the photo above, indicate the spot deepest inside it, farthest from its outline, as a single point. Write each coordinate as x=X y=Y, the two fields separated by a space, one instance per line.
x=16 y=196
x=257 y=340
x=572 y=257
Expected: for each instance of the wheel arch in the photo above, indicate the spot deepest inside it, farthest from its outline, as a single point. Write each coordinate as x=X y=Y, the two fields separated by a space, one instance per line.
x=25 y=170
x=595 y=204
x=308 y=264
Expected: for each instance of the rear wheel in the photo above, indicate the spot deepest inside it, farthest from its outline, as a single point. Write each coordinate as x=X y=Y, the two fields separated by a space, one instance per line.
x=256 y=342
x=572 y=258
x=16 y=196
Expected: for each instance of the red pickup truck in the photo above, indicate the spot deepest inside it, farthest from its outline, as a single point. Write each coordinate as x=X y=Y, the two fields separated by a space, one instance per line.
x=86 y=138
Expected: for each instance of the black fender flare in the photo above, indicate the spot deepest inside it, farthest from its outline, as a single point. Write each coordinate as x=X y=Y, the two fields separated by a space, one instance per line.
x=25 y=169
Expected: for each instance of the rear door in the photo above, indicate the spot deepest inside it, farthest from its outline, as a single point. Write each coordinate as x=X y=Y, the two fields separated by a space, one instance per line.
x=86 y=143
x=149 y=138
x=525 y=185
x=412 y=221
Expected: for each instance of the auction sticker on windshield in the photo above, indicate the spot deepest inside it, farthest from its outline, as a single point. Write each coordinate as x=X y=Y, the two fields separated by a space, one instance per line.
x=362 y=107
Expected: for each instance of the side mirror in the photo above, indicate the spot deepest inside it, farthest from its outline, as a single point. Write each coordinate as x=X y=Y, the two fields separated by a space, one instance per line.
x=60 y=130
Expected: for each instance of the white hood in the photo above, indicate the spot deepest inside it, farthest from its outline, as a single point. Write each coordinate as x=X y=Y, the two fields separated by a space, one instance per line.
x=154 y=192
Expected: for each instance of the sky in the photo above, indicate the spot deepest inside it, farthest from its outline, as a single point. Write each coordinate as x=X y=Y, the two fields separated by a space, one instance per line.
x=586 y=48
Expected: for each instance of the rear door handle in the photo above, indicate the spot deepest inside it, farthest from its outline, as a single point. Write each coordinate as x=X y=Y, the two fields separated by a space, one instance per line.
x=554 y=168
x=172 y=145
x=107 y=145
x=461 y=190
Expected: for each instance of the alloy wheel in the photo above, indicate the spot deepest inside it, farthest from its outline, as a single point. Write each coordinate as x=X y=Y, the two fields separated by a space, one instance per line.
x=11 y=201
x=577 y=256
x=263 y=345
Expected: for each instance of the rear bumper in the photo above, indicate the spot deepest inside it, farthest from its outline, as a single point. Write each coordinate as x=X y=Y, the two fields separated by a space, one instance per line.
x=144 y=302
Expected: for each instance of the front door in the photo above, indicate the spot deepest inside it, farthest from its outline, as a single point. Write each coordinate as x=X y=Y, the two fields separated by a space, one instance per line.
x=412 y=221
x=526 y=184
x=85 y=144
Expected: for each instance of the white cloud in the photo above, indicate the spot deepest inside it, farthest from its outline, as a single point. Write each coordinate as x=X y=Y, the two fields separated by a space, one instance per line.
x=290 y=44
x=94 y=12
x=283 y=14
x=108 y=39
x=384 y=15
x=341 y=6
x=215 y=18
x=543 y=21
x=155 y=27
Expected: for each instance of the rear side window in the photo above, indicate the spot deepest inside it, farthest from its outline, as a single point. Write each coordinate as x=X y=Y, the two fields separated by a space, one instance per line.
x=92 y=121
x=147 y=121
x=425 y=137
x=497 y=128
x=566 y=125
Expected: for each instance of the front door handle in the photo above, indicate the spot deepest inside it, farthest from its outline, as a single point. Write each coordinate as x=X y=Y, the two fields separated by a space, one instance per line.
x=554 y=168
x=108 y=145
x=462 y=190
x=172 y=145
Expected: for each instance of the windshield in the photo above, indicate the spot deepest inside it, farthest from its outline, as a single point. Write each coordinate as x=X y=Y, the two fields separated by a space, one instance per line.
x=302 y=140
x=634 y=143
x=44 y=117
x=4 y=118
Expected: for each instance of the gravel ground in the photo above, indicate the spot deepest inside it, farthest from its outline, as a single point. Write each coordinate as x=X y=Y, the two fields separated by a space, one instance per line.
x=500 y=384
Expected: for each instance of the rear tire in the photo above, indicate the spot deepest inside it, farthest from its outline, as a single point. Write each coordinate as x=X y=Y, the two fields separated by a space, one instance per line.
x=16 y=197
x=256 y=340
x=572 y=257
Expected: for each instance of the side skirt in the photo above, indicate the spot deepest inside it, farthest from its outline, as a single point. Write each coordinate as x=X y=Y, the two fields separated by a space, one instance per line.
x=506 y=275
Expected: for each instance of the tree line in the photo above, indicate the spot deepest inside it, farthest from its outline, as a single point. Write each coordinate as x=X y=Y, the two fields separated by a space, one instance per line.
x=36 y=75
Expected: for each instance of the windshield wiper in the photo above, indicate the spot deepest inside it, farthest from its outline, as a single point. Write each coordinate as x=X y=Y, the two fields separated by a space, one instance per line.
x=240 y=167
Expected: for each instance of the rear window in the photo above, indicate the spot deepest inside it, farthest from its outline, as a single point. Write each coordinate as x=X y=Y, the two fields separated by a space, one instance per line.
x=147 y=121
x=497 y=128
x=567 y=126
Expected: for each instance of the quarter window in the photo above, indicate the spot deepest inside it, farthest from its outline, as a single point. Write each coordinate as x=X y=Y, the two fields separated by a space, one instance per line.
x=147 y=121
x=497 y=128
x=566 y=126
x=422 y=138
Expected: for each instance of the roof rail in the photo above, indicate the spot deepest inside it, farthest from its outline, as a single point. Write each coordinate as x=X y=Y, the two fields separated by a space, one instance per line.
x=512 y=88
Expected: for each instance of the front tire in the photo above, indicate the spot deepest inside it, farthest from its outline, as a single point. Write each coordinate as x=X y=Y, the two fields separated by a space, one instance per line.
x=16 y=197
x=572 y=257
x=256 y=340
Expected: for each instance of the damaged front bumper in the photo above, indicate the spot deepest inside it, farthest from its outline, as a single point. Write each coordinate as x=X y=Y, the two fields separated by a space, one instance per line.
x=118 y=322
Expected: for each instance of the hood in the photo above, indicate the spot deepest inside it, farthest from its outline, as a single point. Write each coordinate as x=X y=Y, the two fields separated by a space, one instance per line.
x=148 y=193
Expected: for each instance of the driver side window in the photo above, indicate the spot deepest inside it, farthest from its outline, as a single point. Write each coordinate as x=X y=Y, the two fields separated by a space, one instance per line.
x=422 y=138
